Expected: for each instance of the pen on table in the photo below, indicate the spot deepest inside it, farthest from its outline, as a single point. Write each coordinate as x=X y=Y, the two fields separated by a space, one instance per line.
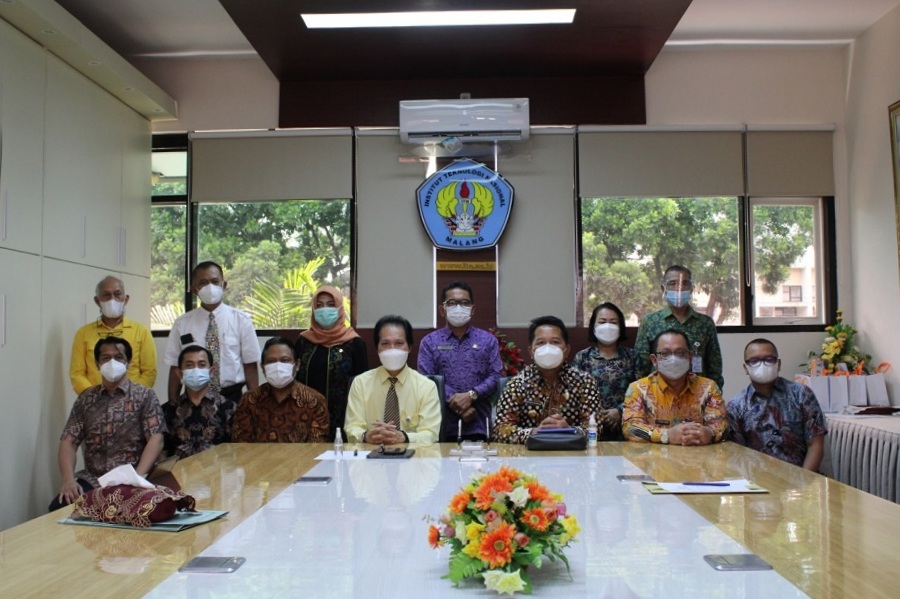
x=702 y=484
x=487 y=426
x=459 y=434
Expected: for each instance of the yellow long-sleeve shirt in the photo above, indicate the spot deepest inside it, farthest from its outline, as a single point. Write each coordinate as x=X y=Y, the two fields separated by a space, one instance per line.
x=83 y=371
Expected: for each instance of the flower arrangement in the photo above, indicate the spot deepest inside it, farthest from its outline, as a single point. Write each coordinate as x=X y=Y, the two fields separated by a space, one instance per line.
x=839 y=354
x=509 y=354
x=500 y=524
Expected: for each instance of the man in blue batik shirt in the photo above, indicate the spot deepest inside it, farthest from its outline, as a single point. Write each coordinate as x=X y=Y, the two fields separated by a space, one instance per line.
x=774 y=415
x=469 y=360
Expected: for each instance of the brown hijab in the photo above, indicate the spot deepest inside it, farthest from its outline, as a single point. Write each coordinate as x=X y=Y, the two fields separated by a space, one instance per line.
x=339 y=332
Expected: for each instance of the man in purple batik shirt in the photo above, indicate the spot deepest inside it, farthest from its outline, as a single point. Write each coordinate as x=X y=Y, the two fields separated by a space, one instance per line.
x=469 y=360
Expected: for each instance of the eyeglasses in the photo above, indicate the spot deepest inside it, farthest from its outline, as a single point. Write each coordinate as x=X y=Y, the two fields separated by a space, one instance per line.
x=454 y=303
x=666 y=354
x=678 y=284
x=757 y=361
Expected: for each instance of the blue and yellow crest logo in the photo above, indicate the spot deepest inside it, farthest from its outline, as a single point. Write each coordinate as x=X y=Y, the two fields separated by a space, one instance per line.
x=465 y=206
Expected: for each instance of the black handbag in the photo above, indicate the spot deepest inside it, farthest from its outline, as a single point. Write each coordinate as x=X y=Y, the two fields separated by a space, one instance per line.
x=557 y=439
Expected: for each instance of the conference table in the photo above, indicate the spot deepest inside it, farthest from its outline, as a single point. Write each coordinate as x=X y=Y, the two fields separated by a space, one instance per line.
x=364 y=533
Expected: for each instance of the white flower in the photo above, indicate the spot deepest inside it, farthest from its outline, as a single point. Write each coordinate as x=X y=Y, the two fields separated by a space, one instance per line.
x=461 y=531
x=519 y=496
x=503 y=582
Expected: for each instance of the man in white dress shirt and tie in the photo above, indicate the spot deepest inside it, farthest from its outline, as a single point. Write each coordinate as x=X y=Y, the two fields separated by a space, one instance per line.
x=228 y=334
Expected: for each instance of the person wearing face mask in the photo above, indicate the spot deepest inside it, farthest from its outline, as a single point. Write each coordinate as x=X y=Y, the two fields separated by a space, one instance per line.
x=677 y=287
x=550 y=393
x=281 y=410
x=612 y=365
x=116 y=422
x=469 y=360
x=776 y=416
x=330 y=353
x=228 y=333
x=674 y=405
x=201 y=417
x=111 y=299
x=393 y=403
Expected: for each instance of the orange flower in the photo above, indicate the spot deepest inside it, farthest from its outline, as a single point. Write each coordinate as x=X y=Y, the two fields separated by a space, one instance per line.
x=537 y=491
x=489 y=487
x=434 y=536
x=496 y=547
x=510 y=474
x=459 y=502
x=536 y=519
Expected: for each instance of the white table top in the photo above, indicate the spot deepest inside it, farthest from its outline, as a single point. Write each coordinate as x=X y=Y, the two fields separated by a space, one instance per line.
x=364 y=535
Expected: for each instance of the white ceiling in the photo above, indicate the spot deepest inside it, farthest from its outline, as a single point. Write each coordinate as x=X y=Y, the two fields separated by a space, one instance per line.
x=202 y=28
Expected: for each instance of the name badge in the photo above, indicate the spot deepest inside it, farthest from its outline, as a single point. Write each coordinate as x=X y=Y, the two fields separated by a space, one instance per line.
x=445 y=347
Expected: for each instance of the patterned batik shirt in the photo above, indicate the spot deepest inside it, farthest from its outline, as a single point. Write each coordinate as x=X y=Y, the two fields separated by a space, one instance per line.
x=114 y=429
x=652 y=406
x=701 y=331
x=301 y=418
x=193 y=429
x=613 y=375
x=781 y=425
x=527 y=400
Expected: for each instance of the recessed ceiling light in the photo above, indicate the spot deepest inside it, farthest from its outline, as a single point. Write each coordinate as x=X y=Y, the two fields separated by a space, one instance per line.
x=48 y=31
x=94 y=63
x=127 y=90
x=439 y=18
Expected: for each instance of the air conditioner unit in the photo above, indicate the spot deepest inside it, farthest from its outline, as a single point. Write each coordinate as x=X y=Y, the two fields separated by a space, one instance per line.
x=476 y=120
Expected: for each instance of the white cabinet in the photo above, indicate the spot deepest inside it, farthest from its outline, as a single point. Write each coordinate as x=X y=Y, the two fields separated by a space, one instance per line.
x=135 y=150
x=22 y=86
x=21 y=401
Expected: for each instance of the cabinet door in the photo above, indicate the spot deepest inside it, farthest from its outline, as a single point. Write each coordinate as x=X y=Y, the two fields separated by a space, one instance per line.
x=22 y=86
x=136 y=148
x=21 y=373
x=82 y=170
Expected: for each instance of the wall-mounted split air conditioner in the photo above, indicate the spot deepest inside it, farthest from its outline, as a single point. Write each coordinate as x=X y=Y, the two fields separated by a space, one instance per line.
x=470 y=121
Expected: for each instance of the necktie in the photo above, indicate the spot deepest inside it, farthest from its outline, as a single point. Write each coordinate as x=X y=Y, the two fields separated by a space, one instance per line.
x=392 y=405
x=212 y=344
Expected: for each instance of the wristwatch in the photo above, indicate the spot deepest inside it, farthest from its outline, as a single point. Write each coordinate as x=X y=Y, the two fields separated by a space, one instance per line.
x=664 y=438
x=473 y=394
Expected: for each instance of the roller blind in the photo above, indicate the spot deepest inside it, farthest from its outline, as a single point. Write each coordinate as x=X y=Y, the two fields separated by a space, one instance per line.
x=267 y=166
x=651 y=163
x=790 y=163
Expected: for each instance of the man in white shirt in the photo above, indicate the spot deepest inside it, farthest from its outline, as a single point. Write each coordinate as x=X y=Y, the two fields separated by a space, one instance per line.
x=228 y=333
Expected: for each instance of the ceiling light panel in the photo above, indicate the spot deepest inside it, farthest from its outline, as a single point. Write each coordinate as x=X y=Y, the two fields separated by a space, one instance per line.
x=445 y=18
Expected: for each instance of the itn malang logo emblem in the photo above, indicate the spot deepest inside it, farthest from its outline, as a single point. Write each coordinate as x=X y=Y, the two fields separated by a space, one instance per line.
x=465 y=206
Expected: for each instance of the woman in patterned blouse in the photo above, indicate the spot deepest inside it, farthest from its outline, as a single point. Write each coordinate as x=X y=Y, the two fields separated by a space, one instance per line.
x=549 y=393
x=612 y=365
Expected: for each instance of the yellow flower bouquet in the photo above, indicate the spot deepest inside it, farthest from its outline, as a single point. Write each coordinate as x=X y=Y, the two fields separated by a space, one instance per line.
x=500 y=524
x=839 y=354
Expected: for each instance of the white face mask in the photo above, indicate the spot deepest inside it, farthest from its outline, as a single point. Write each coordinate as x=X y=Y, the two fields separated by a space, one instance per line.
x=673 y=367
x=112 y=308
x=279 y=374
x=113 y=371
x=393 y=359
x=548 y=356
x=763 y=373
x=210 y=294
x=459 y=316
x=606 y=332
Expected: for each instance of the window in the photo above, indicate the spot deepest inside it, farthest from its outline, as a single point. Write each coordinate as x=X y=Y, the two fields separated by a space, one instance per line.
x=792 y=293
x=168 y=229
x=628 y=242
x=275 y=254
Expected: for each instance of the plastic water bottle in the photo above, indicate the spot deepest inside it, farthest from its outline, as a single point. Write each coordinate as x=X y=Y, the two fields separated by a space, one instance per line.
x=592 y=431
x=338 y=445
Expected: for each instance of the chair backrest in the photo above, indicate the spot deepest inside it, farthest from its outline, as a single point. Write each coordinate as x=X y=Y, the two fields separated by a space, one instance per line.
x=501 y=384
x=439 y=383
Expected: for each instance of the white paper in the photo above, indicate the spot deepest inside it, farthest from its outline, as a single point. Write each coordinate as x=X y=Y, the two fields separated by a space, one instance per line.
x=124 y=475
x=877 y=390
x=740 y=485
x=346 y=455
x=839 y=392
x=857 y=389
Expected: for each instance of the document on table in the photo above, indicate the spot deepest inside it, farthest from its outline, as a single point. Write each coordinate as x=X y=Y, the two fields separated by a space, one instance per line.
x=711 y=487
x=348 y=454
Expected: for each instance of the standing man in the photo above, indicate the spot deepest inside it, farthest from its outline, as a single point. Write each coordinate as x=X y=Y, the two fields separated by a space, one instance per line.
x=227 y=333
x=550 y=393
x=674 y=405
x=393 y=403
x=469 y=360
x=118 y=422
x=281 y=410
x=110 y=297
x=774 y=415
x=703 y=341
x=200 y=417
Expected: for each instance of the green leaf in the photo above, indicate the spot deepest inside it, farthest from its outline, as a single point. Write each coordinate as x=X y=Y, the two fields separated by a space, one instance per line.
x=463 y=566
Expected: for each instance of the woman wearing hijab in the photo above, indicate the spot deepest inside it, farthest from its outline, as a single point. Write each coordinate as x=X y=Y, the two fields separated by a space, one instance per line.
x=330 y=354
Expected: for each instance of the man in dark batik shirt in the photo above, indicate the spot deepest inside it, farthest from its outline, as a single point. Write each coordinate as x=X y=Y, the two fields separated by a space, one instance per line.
x=116 y=422
x=200 y=417
x=774 y=415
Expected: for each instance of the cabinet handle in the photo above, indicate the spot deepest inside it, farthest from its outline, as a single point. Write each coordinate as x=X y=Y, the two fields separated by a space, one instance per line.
x=4 y=213
x=84 y=236
x=3 y=320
